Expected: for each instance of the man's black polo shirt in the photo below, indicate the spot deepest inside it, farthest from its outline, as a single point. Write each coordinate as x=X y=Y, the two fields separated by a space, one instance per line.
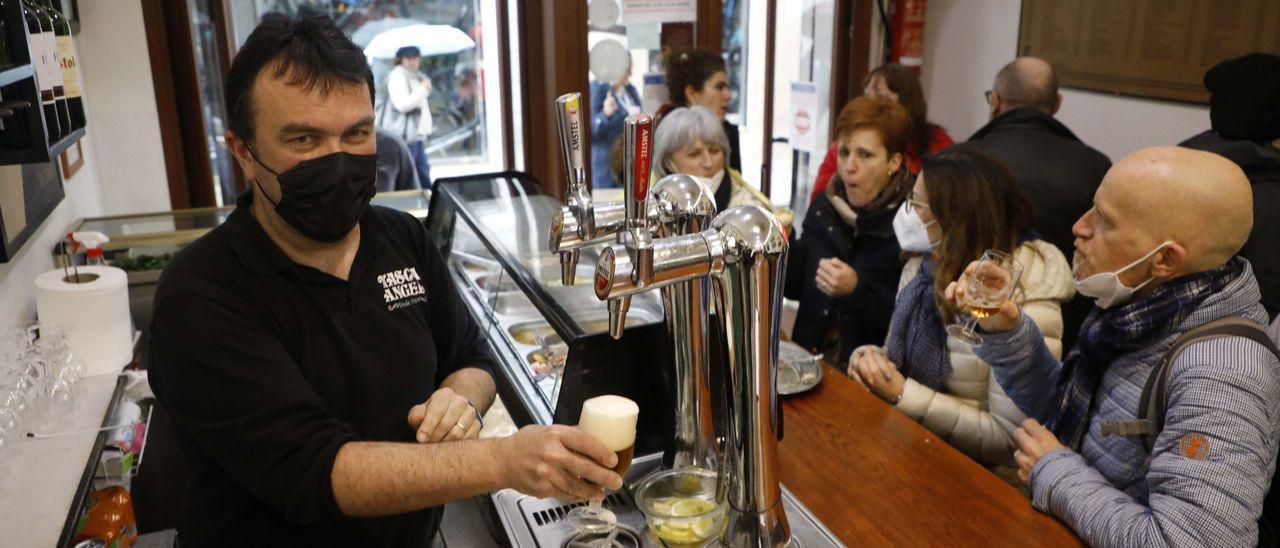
x=268 y=367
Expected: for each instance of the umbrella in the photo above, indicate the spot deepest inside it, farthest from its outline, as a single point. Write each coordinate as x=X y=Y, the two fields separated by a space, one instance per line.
x=363 y=35
x=429 y=39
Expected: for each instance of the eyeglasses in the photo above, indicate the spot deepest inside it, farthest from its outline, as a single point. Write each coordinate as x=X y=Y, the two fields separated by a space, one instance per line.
x=988 y=94
x=913 y=205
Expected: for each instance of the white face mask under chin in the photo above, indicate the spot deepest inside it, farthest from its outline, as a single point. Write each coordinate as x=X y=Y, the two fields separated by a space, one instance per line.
x=713 y=182
x=912 y=232
x=1106 y=287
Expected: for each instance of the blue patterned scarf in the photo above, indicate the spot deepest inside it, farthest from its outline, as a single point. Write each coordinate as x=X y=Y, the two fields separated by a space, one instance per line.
x=1108 y=334
x=917 y=340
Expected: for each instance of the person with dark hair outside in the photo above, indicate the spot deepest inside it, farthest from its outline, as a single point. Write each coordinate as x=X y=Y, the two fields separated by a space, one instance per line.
x=405 y=112
x=845 y=265
x=323 y=376
x=963 y=204
x=897 y=83
x=697 y=77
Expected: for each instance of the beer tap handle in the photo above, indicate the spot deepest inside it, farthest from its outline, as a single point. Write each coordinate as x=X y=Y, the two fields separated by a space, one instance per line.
x=569 y=120
x=578 y=193
x=637 y=135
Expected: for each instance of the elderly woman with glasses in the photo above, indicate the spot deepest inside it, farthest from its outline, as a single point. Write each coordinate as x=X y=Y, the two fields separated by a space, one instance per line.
x=690 y=140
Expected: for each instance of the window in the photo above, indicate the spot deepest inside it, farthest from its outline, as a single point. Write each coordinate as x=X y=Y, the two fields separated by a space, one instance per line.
x=466 y=97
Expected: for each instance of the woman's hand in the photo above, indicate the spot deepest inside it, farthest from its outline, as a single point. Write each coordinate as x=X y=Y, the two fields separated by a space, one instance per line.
x=875 y=371
x=835 y=278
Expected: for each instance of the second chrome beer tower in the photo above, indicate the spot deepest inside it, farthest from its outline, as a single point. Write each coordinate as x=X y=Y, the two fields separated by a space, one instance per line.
x=669 y=238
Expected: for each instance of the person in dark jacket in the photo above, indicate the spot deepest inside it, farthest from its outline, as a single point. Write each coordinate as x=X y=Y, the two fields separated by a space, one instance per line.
x=844 y=268
x=395 y=163
x=1244 y=109
x=611 y=103
x=1051 y=166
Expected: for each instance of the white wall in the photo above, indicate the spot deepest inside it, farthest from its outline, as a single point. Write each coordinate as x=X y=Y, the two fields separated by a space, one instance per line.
x=967 y=41
x=124 y=121
x=124 y=166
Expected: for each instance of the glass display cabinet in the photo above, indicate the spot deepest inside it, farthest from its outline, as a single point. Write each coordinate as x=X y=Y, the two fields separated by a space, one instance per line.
x=552 y=340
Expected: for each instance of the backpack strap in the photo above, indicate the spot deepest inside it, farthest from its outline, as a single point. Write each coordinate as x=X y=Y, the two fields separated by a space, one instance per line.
x=1155 y=397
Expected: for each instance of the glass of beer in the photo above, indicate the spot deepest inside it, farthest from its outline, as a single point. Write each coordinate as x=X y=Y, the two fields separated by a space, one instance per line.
x=991 y=283
x=612 y=421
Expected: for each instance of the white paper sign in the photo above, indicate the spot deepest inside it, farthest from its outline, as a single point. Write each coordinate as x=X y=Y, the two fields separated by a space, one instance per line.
x=644 y=36
x=804 y=111
x=655 y=92
x=659 y=11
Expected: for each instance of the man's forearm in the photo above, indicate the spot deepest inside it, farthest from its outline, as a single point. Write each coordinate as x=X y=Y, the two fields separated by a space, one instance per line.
x=474 y=384
x=385 y=478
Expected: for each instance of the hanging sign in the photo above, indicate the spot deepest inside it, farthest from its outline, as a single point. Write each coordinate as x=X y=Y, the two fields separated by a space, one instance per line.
x=659 y=11
x=804 y=109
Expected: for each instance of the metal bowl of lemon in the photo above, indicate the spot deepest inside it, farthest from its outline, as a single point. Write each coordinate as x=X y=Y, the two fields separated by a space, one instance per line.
x=680 y=505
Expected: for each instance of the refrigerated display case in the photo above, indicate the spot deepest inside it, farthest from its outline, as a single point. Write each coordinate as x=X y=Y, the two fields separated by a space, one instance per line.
x=551 y=340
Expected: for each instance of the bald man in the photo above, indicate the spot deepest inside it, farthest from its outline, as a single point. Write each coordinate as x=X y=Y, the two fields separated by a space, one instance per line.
x=1055 y=170
x=1157 y=251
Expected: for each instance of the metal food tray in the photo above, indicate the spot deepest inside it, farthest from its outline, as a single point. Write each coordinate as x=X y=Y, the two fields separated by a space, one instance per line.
x=512 y=310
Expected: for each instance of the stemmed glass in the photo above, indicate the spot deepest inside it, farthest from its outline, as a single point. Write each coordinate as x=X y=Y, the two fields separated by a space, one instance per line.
x=612 y=420
x=989 y=285
x=64 y=370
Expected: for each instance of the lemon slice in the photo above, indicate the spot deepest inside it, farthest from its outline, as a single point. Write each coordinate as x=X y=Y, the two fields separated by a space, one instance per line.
x=690 y=507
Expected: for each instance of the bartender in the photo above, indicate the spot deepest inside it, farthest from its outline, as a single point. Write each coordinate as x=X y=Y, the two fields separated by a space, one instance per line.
x=325 y=382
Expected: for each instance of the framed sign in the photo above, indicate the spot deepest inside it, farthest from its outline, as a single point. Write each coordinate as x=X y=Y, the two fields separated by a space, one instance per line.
x=28 y=194
x=1148 y=48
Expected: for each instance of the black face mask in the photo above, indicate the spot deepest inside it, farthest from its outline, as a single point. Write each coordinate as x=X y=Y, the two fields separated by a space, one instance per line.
x=323 y=198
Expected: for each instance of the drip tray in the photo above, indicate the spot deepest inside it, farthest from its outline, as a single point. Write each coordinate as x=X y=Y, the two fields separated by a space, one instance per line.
x=542 y=523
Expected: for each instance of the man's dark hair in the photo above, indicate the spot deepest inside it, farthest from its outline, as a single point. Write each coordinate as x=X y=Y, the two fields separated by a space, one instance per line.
x=312 y=51
x=1021 y=85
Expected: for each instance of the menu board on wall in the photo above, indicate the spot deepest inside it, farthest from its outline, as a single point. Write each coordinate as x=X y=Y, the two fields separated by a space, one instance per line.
x=1149 y=48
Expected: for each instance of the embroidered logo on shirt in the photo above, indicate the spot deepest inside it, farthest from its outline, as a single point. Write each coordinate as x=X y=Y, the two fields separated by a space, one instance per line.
x=401 y=288
x=1194 y=446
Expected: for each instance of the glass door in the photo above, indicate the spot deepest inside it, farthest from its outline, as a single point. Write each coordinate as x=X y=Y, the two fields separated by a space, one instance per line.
x=795 y=103
x=467 y=94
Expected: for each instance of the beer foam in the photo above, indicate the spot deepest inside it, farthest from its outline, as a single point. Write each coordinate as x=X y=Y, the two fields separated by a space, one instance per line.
x=610 y=419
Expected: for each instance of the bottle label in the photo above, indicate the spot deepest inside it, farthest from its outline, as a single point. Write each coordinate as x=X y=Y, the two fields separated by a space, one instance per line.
x=67 y=59
x=40 y=62
x=55 y=72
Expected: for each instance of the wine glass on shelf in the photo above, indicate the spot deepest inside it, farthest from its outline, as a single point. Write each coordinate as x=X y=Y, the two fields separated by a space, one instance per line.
x=612 y=421
x=991 y=283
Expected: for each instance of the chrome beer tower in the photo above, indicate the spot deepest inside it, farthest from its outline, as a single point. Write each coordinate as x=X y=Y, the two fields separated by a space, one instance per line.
x=678 y=205
x=743 y=254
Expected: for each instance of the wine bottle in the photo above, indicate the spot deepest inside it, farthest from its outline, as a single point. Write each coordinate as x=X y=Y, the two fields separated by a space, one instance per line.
x=40 y=64
x=68 y=61
x=54 y=69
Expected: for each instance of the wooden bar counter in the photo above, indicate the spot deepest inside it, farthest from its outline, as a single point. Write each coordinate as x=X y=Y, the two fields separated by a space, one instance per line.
x=877 y=478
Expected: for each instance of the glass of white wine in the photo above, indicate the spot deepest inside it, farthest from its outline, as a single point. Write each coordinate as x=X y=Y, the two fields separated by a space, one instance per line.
x=991 y=283
x=612 y=421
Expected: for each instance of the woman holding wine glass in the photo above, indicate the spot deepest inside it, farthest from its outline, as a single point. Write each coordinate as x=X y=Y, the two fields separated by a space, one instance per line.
x=964 y=207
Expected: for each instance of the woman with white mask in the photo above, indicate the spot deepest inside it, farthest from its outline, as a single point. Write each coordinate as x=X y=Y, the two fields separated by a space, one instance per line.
x=963 y=203
x=690 y=140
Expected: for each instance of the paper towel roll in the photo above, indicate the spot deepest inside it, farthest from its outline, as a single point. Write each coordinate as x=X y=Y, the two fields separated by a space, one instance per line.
x=94 y=315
